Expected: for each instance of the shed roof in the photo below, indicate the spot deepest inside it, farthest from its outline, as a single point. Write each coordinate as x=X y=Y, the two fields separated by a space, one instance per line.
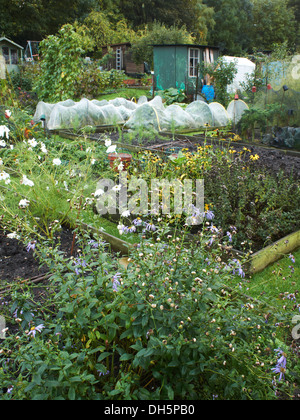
x=186 y=45
x=3 y=38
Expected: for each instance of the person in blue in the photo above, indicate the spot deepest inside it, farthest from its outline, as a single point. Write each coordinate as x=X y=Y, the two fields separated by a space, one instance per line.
x=209 y=92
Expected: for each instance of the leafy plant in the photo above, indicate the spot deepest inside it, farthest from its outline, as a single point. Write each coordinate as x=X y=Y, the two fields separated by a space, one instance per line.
x=261 y=118
x=61 y=64
x=172 y=95
x=222 y=74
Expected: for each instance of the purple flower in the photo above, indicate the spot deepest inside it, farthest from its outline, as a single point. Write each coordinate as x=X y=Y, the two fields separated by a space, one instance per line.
x=79 y=262
x=31 y=245
x=209 y=215
x=210 y=242
x=281 y=364
x=292 y=258
x=238 y=269
x=116 y=282
x=150 y=227
x=34 y=330
x=93 y=243
x=229 y=236
x=213 y=229
x=131 y=229
x=137 y=222
x=103 y=374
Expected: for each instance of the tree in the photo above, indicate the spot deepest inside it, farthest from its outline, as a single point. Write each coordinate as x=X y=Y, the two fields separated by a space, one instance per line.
x=103 y=31
x=232 y=20
x=33 y=20
x=274 y=23
x=192 y=14
x=157 y=33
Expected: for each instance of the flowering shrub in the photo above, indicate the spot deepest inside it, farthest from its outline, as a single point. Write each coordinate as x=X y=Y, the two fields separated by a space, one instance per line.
x=165 y=328
x=246 y=195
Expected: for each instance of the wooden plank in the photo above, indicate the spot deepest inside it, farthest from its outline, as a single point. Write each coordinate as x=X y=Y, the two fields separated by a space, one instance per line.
x=272 y=253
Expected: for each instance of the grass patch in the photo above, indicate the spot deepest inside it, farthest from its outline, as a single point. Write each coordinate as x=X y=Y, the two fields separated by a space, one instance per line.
x=127 y=93
x=281 y=277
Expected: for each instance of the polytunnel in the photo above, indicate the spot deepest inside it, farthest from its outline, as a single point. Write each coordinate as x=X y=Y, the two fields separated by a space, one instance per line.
x=148 y=114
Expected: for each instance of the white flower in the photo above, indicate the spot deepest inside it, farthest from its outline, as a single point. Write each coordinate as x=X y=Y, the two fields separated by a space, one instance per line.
x=26 y=181
x=43 y=148
x=107 y=142
x=13 y=235
x=126 y=213
x=4 y=176
x=4 y=130
x=56 y=162
x=121 y=229
x=7 y=113
x=24 y=203
x=111 y=149
x=99 y=192
x=2 y=143
x=88 y=150
x=32 y=142
x=116 y=188
x=120 y=167
x=93 y=161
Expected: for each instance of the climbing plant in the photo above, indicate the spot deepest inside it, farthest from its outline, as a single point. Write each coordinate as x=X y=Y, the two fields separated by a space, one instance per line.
x=61 y=63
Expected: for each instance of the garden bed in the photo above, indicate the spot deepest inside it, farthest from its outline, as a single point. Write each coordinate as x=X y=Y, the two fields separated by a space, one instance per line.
x=269 y=157
x=17 y=263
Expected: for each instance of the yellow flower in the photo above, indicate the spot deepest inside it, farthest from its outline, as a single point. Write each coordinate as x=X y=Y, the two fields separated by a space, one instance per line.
x=255 y=157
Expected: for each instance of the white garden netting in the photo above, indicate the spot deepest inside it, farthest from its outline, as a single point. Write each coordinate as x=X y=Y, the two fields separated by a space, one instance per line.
x=151 y=114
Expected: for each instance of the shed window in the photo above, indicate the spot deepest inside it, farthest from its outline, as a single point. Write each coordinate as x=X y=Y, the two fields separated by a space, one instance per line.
x=5 y=52
x=14 y=56
x=194 y=61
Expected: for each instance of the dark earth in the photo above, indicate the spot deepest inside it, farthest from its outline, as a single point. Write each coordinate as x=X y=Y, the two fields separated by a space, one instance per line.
x=16 y=263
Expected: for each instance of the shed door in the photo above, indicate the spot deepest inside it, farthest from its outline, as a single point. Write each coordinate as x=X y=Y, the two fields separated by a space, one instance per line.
x=165 y=67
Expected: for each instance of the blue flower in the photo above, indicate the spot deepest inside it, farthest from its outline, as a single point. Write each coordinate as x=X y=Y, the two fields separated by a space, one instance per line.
x=116 y=282
x=209 y=215
x=79 y=262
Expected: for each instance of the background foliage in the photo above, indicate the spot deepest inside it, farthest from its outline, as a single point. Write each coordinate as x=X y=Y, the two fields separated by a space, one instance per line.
x=235 y=26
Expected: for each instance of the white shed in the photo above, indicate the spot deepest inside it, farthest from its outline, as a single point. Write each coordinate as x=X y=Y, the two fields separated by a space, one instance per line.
x=244 y=66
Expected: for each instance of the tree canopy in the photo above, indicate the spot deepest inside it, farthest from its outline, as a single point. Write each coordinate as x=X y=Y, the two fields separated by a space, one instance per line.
x=236 y=26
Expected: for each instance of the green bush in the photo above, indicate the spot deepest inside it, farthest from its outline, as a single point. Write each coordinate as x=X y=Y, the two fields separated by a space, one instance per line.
x=92 y=82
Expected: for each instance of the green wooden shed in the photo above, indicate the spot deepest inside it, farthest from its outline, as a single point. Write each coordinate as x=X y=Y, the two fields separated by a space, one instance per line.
x=177 y=65
x=12 y=52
